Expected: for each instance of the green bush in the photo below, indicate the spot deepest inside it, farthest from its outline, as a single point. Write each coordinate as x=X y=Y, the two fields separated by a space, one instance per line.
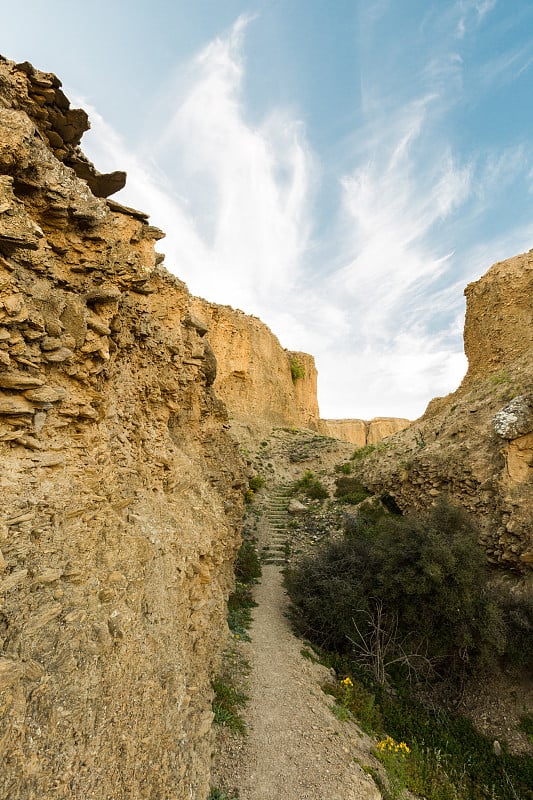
x=256 y=483
x=350 y=490
x=345 y=469
x=363 y=452
x=297 y=369
x=418 y=582
x=247 y=565
x=247 y=570
x=311 y=486
x=518 y=620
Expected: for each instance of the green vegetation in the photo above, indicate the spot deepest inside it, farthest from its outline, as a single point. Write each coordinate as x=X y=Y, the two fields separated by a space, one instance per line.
x=228 y=698
x=345 y=469
x=247 y=567
x=359 y=703
x=240 y=602
x=526 y=724
x=350 y=490
x=498 y=378
x=311 y=486
x=401 y=602
x=363 y=452
x=226 y=704
x=404 y=594
x=249 y=496
x=256 y=483
x=218 y=794
x=446 y=758
x=297 y=369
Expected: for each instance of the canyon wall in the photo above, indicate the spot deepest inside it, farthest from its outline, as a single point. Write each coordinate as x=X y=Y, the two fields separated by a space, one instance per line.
x=121 y=489
x=255 y=380
x=362 y=432
x=254 y=377
x=475 y=446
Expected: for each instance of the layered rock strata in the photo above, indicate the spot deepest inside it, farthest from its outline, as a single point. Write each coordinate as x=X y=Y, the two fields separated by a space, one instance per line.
x=254 y=376
x=265 y=386
x=362 y=432
x=121 y=490
x=476 y=445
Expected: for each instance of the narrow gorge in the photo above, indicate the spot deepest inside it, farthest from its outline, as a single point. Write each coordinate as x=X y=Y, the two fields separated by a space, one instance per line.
x=128 y=413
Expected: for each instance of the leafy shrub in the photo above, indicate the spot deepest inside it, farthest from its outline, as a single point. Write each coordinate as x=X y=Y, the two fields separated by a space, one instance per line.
x=363 y=452
x=358 y=701
x=453 y=760
x=417 y=581
x=345 y=469
x=297 y=369
x=350 y=490
x=518 y=621
x=247 y=565
x=218 y=794
x=256 y=483
x=526 y=725
x=311 y=486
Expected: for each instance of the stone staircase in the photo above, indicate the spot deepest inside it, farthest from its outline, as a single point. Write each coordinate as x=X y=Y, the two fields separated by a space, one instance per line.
x=276 y=517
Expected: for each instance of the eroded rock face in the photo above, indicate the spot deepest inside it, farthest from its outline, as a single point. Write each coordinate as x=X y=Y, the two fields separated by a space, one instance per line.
x=476 y=445
x=121 y=489
x=362 y=432
x=254 y=377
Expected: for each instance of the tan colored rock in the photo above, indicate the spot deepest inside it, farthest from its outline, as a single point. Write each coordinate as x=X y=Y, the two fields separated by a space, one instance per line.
x=16 y=226
x=10 y=672
x=348 y=430
x=19 y=380
x=475 y=446
x=361 y=432
x=519 y=460
x=253 y=375
x=14 y=404
x=107 y=497
x=380 y=428
x=46 y=394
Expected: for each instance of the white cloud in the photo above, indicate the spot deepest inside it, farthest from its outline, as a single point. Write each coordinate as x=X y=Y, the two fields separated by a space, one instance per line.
x=471 y=13
x=507 y=67
x=251 y=184
x=238 y=232
x=384 y=316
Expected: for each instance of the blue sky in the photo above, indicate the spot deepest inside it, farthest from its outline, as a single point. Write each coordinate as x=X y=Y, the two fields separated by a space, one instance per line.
x=340 y=169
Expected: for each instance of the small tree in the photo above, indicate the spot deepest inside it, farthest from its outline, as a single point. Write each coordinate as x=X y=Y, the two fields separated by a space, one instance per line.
x=408 y=591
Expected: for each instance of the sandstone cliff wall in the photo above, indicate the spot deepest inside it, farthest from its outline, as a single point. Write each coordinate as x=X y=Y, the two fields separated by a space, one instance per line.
x=361 y=432
x=254 y=379
x=254 y=376
x=121 y=492
x=476 y=445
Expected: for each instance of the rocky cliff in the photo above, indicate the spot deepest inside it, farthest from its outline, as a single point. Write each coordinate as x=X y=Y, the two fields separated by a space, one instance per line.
x=266 y=386
x=476 y=445
x=361 y=432
x=254 y=376
x=121 y=489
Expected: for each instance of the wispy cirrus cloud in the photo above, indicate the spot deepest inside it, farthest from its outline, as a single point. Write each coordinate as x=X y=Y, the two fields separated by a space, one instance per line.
x=251 y=183
x=239 y=227
x=471 y=13
x=382 y=310
x=508 y=66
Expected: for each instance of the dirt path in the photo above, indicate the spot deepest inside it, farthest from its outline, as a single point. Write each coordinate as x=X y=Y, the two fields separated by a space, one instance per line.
x=295 y=749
